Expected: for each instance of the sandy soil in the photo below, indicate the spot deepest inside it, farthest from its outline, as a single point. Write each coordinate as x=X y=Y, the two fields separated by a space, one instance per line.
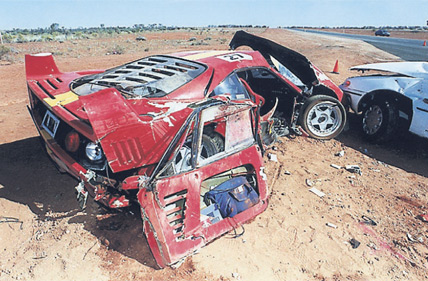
x=52 y=240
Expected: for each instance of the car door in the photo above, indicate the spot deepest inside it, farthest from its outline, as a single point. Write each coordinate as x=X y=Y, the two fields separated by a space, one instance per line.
x=177 y=221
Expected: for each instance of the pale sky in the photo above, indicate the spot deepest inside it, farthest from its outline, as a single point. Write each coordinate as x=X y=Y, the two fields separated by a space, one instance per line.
x=273 y=13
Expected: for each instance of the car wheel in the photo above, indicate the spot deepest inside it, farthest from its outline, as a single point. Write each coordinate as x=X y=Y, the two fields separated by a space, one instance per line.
x=211 y=144
x=322 y=117
x=380 y=121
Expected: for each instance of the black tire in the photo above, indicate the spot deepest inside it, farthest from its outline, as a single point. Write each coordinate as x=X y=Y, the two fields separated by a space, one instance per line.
x=212 y=144
x=322 y=117
x=380 y=121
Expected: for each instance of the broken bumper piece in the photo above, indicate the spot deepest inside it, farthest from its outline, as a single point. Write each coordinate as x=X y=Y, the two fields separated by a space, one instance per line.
x=99 y=186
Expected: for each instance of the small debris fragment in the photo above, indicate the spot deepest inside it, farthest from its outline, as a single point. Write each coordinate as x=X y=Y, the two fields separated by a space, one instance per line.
x=236 y=275
x=317 y=192
x=41 y=256
x=354 y=243
x=354 y=169
x=340 y=153
x=420 y=239
x=287 y=172
x=410 y=237
x=273 y=157
x=309 y=182
x=372 y=246
x=329 y=224
x=336 y=166
x=423 y=218
x=374 y=170
x=105 y=241
x=368 y=220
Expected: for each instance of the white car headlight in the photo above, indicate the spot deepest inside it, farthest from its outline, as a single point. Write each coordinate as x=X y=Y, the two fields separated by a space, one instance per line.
x=93 y=151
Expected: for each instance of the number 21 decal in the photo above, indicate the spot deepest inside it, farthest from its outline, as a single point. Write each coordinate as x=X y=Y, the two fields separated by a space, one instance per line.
x=235 y=57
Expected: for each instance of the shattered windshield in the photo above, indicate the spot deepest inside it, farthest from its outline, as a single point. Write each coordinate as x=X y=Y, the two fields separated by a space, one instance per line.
x=154 y=76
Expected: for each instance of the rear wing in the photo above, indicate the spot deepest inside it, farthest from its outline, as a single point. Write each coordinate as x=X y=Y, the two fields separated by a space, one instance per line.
x=37 y=65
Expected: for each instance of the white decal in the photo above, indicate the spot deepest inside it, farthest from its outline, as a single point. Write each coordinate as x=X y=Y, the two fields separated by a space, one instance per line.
x=235 y=57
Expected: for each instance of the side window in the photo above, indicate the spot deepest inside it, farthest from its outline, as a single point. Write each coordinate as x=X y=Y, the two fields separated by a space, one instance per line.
x=231 y=85
x=232 y=133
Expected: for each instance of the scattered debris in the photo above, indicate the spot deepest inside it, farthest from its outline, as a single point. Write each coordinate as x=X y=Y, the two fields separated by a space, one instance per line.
x=11 y=220
x=317 y=192
x=236 y=275
x=423 y=218
x=340 y=153
x=273 y=157
x=329 y=224
x=354 y=243
x=374 y=170
x=410 y=237
x=309 y=182
x=420 y=239
x=372 y=246
x=41 y=256
x=286 y=172
x=354 y=169
x=335 y=166
x=368 y=220
x=84 y=256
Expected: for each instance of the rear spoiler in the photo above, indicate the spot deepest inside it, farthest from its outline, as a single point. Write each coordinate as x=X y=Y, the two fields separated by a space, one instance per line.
x=37 y=65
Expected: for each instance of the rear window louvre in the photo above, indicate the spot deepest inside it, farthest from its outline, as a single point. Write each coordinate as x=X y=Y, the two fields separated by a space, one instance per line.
x=146 y=63
x=164 y=72
x=154 y=76
x=157 y=60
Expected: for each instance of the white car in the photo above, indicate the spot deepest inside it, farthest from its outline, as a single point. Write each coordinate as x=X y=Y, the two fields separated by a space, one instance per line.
x=394 y=98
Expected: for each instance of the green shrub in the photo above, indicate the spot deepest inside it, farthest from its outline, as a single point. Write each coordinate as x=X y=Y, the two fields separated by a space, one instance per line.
x=116 y=50
x=4 y=51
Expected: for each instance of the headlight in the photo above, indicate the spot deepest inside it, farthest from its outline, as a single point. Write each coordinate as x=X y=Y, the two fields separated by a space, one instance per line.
x=93 y=151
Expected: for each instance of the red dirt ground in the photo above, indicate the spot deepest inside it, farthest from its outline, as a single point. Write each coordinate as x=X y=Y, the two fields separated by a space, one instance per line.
x=53 y=240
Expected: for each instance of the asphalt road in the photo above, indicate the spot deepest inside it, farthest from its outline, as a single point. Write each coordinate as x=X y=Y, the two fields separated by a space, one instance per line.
x=407 y=49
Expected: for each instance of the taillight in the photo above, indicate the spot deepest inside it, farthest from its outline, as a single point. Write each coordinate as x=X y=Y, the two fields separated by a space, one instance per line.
x=72 y=141
x=347 y=83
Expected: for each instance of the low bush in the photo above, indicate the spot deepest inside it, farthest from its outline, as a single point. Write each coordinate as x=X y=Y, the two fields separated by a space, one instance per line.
x=4 y=51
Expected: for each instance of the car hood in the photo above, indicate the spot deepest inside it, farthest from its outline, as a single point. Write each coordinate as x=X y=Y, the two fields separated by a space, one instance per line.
x=298 y=64
x=411 y=69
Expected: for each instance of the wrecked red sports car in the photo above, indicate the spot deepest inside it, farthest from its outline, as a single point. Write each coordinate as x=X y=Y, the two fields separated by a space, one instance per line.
x=181 y=135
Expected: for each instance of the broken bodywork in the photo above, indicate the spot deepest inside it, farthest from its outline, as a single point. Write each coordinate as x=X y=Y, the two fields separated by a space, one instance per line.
x=394 y=98
x=166 y=130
